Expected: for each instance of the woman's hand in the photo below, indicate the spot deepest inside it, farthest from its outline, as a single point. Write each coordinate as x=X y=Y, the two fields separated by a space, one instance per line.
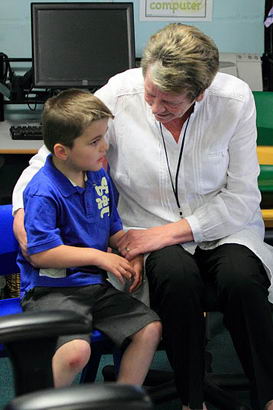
x=140 y=241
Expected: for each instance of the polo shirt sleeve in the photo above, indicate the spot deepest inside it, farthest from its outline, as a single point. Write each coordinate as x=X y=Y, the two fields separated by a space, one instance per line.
x=41 y=224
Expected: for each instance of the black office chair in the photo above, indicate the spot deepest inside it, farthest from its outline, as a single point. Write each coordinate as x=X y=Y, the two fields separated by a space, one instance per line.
x=30 y=339
x=96 y=397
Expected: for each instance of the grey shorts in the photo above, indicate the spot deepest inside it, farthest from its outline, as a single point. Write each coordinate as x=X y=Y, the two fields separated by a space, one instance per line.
x=115 y=313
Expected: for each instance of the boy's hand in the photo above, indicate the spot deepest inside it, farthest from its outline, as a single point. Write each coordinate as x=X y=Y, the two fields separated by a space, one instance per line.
x=137 y=264
x=118 y=266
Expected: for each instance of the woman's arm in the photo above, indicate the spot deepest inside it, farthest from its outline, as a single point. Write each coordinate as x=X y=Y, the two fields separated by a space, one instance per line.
x=19 y=230
x=226 y=212
x=235 y=205
x=35 y=163
x=138 y=241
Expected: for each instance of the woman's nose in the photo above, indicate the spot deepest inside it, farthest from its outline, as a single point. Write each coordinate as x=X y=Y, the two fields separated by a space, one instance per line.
x=157 y=106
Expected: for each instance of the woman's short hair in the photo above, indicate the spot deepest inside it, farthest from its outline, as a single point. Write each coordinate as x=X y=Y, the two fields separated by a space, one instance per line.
x=66 y=116
x=181 y=58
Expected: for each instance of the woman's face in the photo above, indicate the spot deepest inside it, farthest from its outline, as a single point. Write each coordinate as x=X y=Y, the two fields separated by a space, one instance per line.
x=166 y=106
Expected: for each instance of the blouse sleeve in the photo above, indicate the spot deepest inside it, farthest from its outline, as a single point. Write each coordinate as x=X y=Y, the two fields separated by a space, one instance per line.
x=35 y=163
x=236 y=204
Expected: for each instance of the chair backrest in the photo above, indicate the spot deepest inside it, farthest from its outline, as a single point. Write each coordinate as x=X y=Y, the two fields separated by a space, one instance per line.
x=89 y=396
x=8 y=242
x=264 y=108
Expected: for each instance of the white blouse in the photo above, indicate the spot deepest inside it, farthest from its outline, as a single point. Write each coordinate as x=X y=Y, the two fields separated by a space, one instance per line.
x=217 y=179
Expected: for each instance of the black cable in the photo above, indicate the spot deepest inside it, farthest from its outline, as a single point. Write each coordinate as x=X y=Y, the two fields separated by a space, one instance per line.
x=175 y=186
x=8 y=72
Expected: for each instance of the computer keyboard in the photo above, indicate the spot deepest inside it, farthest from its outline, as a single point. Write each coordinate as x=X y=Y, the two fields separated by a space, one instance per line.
x=26 y=132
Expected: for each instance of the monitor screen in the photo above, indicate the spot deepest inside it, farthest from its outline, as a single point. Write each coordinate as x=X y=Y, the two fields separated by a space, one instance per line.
x=81 y=44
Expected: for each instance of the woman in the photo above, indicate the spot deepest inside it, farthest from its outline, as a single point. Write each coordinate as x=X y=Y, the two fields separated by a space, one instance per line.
x=183 y=158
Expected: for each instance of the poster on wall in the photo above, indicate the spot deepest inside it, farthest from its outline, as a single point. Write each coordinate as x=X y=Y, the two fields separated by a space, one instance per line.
x=168 y=10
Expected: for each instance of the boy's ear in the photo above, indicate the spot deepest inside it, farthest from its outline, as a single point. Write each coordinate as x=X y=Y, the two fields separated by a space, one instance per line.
x=60 y=151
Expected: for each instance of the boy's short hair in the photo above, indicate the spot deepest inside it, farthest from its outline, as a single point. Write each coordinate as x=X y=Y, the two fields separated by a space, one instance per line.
x=66 y=116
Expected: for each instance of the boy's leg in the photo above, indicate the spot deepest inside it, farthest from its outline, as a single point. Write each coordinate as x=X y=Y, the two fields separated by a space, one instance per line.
x=124 y=318
x=137 y=357
x=73 y=351
x=69 y=360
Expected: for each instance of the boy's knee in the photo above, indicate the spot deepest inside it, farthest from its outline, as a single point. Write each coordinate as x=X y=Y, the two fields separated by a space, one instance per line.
x=75 y=354
x=155 y=328
x=81 y=355
x=150 y=333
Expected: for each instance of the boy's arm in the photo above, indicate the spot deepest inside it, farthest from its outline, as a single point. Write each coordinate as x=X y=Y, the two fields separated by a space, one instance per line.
x=45 y=245
x=64 y=256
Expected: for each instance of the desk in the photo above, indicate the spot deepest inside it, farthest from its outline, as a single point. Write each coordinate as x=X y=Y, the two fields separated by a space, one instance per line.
x=14 y=158
x=10 y=146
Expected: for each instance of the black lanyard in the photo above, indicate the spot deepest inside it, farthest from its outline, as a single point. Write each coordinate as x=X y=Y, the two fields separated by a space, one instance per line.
x=175 y=186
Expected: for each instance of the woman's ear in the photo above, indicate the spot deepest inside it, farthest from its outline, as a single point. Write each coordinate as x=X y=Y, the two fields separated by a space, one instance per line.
x=200 y=97
x=61 y=151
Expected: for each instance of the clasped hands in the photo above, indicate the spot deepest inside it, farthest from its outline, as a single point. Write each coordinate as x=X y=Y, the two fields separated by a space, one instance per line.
x=139 y=241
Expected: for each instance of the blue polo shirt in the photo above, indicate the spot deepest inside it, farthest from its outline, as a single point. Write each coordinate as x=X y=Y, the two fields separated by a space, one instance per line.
x=59 y=213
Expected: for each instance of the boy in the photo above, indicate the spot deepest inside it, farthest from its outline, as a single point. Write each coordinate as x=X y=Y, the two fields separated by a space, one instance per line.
x=70 y=221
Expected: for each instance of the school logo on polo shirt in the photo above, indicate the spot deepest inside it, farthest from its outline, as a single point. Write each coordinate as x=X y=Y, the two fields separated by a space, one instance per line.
x=103 y=202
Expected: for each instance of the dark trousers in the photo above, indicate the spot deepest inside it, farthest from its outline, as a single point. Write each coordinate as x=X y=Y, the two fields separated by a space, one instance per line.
x=178 y=282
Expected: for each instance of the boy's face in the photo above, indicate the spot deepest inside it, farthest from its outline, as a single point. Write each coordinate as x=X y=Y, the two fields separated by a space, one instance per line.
x=89 y=149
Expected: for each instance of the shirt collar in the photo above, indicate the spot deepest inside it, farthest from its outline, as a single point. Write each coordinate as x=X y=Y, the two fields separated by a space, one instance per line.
x=59 y=179
x=65 y=186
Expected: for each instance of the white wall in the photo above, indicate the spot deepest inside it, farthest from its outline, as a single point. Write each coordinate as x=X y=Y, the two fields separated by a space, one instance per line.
x=237 y=26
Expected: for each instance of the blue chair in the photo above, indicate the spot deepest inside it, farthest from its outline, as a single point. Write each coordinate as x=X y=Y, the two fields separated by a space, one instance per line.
x=24 y=335
x=8 y=254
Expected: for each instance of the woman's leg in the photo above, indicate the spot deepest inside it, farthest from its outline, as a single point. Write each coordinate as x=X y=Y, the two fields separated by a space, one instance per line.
x=242 y=294
x=177 y=293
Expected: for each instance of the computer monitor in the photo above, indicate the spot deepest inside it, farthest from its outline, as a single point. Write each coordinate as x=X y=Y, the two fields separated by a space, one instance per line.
x=81 y=44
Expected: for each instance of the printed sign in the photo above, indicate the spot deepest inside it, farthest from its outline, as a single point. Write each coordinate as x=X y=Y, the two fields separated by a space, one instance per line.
x=191 y=10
